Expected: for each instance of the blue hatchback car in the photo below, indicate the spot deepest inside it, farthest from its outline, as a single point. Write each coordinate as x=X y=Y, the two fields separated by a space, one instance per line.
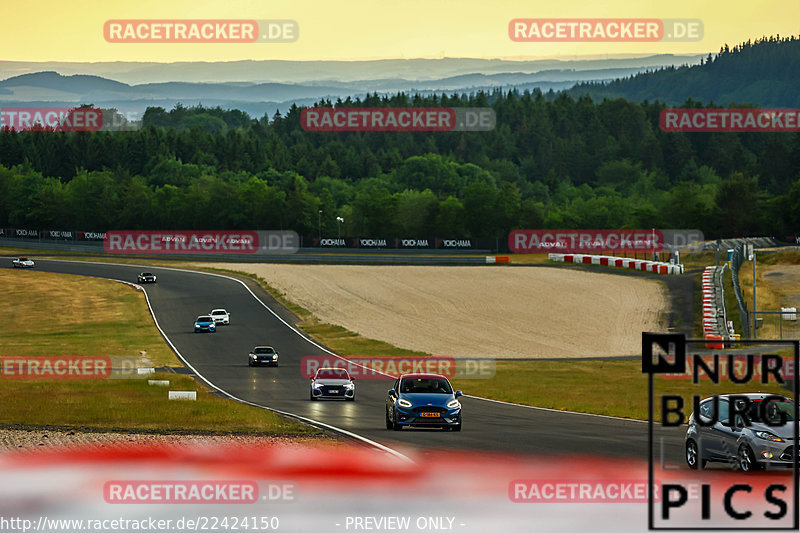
x=204 y=323
x=423 y=400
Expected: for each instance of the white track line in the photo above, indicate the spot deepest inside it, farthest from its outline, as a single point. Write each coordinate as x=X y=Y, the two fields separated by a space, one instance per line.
x=310 y=421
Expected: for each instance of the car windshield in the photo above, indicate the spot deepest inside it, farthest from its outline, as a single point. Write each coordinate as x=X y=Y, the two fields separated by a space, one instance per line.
x=772 y=411
x=263 y=350
x=426 y=386
x=217 y=312
x=332 y=373
x=23 y=258
x=146 y=274
x=204 y=319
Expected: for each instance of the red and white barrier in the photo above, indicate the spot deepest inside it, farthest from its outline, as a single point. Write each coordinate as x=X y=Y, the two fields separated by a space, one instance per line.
x=618 y=262
x=714 y=336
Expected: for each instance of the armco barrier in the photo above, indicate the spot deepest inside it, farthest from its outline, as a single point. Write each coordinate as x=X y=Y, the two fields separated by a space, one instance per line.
x=643 y=265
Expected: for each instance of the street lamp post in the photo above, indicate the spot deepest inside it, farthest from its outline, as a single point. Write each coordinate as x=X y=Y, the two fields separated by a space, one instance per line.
x=339 y=220
x=755 y=311
x=319 y=223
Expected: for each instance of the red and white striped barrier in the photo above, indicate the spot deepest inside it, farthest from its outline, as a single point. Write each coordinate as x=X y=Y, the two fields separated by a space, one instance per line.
x=619 y=262
x=714 y=334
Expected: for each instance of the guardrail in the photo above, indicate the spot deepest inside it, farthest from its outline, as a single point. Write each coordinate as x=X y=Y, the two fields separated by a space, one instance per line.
x=736 y=263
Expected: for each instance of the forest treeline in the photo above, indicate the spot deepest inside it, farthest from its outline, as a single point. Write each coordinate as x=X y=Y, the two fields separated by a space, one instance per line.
x=558 y=162
x=764 y=71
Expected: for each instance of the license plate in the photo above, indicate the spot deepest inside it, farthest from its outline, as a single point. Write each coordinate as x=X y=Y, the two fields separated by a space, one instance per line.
x=428 y=414
x=333 y=391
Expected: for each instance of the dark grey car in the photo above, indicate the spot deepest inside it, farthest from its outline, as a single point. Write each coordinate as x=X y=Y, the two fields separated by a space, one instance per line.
x=146 y=277
x=263 y=355
x=761 y=438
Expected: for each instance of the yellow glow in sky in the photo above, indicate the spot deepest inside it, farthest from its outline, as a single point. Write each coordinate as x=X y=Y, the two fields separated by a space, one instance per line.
x=54 y=30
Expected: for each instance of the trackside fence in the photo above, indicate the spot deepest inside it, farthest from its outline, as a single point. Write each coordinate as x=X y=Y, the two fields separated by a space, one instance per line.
x=736 y=263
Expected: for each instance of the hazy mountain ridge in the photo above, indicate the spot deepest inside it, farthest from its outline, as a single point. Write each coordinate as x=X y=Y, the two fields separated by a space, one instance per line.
x=320 y=71
x=245 y=85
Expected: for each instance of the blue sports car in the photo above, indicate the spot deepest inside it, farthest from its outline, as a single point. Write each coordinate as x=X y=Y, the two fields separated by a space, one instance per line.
x=204 y=323
x=423 y=400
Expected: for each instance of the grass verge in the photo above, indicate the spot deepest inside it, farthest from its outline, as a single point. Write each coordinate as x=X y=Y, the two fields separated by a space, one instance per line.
x=58 y=314
x=768 y=296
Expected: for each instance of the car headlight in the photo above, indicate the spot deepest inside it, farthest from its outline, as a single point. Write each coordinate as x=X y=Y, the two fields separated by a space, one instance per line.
x=402 y=402
x=275 y=357
x=453 y=404
x=316 y=385
x=766 y=435
x=349 y=386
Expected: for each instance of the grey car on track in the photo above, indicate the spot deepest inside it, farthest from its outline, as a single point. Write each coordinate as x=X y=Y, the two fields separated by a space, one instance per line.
x=332 y=383
x=757 y=433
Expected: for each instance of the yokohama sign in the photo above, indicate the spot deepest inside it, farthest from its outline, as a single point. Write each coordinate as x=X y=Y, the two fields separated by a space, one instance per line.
x=574 y=241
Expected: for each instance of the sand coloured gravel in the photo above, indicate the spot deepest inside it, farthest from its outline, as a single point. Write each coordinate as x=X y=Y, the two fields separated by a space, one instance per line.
x=501 y=312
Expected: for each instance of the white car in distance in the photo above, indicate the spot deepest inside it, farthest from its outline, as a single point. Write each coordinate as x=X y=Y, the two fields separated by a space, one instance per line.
x=22 y=262
x=221 y=316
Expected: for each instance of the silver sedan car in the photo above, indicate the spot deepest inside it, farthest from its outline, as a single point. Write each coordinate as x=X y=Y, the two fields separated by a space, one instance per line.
x=760 y=434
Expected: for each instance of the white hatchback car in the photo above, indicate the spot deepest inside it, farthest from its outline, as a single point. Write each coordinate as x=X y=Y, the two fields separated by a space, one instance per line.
x=221 y=316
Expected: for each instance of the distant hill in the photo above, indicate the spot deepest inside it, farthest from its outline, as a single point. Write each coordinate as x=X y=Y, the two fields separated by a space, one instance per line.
x=765 y=72
x=264 y=87
x=277 y=71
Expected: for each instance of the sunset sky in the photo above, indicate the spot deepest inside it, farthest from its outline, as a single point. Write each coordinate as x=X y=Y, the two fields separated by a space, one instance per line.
x=53 y=30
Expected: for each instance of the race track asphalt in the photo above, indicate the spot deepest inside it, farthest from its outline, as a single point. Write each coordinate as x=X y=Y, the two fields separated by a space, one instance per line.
x=221 y=358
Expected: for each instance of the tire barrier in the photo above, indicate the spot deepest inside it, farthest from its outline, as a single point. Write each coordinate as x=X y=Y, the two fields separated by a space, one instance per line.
x=644 y=265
